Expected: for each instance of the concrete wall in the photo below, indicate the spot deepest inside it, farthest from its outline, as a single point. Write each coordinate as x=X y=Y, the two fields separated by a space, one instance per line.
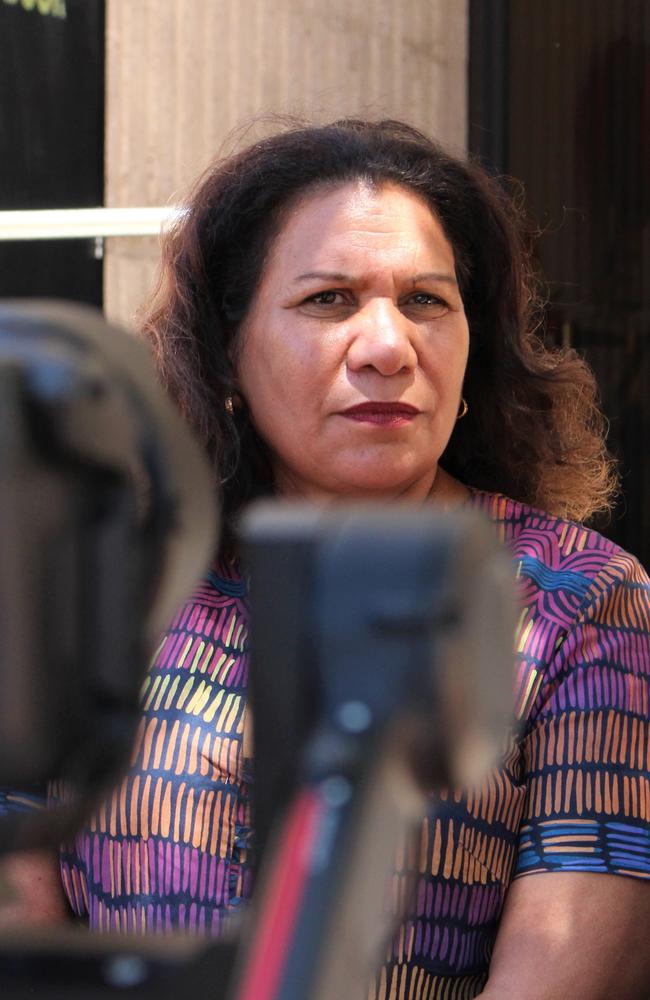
x=182 y=74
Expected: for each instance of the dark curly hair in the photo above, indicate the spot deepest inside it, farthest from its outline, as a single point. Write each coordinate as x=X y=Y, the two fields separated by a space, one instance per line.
x=534 y=430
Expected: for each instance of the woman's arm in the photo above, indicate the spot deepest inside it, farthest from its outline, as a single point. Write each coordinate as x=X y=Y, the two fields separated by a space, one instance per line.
x=573 y=936
x=585 y=935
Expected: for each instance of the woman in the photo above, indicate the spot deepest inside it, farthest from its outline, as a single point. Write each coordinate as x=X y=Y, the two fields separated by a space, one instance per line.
x=348 y=312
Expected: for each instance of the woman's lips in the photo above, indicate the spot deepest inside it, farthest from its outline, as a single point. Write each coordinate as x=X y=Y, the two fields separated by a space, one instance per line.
x=385 y=414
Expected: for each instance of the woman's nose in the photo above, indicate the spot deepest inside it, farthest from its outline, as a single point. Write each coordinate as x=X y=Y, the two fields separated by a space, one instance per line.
x=382 y=339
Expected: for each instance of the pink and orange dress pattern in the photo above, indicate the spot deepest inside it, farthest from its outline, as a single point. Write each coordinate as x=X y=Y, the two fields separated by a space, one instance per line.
x=171 y=848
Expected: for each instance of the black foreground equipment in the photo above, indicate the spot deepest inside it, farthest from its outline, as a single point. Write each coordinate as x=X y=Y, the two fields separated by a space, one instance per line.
x=380 y=671
x=380 y=667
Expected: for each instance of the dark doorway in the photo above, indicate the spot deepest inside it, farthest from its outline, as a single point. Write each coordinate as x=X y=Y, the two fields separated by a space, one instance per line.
x=560 y=99
x=51 y=139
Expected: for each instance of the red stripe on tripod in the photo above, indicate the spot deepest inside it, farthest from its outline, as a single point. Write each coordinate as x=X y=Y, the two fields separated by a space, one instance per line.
x=274 y=935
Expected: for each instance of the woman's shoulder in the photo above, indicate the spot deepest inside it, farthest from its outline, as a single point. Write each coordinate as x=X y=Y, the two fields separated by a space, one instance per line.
x=553 y=541
x=215 y=614
x=584 y=611
x=565 y=565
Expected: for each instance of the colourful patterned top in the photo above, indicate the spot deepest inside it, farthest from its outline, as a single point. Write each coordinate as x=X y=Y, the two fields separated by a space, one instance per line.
x=171 y=847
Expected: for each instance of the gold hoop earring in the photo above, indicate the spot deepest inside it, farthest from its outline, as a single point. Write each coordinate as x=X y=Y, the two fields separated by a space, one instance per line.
x=229 y=406
x=463 y=408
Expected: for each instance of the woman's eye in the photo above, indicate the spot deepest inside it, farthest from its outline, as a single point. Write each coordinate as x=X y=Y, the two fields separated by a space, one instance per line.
x=325 y=298
x=425 y=299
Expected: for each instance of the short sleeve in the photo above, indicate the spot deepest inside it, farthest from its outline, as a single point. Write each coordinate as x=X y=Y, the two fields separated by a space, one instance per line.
x=586 y=749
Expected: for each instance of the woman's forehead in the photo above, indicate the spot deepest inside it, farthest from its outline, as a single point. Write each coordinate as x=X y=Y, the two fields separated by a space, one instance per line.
x=336 y=224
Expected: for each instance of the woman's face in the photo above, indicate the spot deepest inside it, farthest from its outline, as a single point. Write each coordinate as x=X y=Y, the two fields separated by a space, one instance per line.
x=352 y=356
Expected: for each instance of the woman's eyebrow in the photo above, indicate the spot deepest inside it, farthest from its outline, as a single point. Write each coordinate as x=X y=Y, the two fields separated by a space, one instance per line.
x=324 y=276
x=450 y=279
x=348 y=278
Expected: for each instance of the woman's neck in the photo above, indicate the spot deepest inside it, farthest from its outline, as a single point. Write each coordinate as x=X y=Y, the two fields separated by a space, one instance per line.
x=439 y=488
x=446 y=491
